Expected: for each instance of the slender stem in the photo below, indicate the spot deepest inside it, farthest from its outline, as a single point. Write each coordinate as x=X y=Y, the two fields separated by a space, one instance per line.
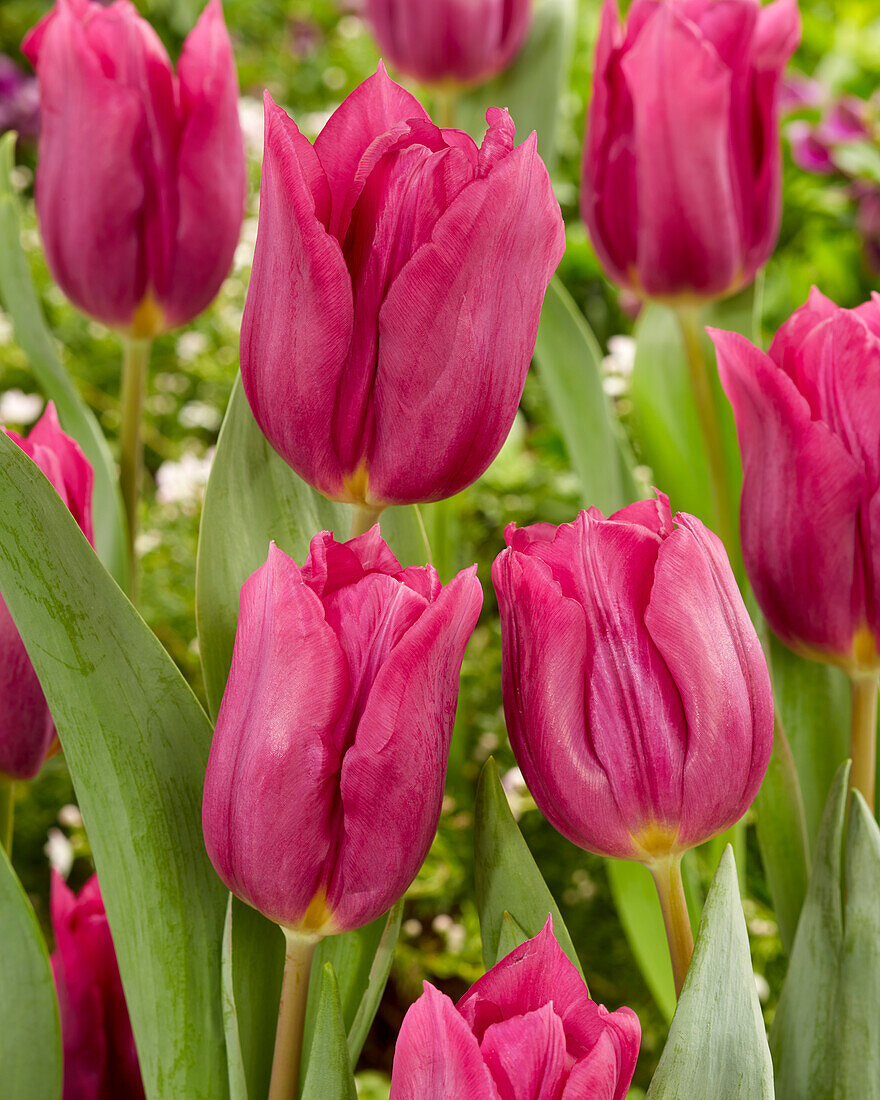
x=291 y=1017
x=710 y=425
x=363 y=517
x=670 y=888
x=445 y=107
x=7 y=812
x=136 y=356
x=863 y=736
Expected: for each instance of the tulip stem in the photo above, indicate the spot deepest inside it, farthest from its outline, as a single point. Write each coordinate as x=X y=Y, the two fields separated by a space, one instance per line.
x=710 y=426
x=670 y=888
x=362 y=518
x=445 y=104
x=7 y=812
x=136 y=356
x=291 y=1016
x=863 y=736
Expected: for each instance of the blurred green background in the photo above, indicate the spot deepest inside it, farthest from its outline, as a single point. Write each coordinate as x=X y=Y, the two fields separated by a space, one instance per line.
x=310 y=54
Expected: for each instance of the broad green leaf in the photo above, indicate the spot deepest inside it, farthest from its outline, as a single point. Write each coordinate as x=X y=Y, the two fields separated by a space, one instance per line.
x=30 y=1036
x=512 y=936
x=136 y=742
x=20 y=300
x=531 y=87
x=506 y=876
x=238 y=1089
x=717 y=1046
x=826 y=1032
x=328 y=1076
x=569 y=365
x=782 y=835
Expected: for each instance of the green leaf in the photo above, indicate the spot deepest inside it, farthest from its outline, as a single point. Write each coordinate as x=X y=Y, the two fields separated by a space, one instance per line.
x=782 y=835
x=328 y=1076
x=30 y=1036
x=512 y=935
x=507 y=877
x=569 y=365
x=826 y=1032
x=136 y=742
x=238 y=1089
x=532 y=86
x=717 y=1046
x=20 y=299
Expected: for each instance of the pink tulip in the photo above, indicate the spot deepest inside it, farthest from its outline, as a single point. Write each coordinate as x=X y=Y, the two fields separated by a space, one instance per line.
x=441 y=41
x=100 y=1060
x=397 y=284
x=527 y=1030
x=635 y=689
x=141 y=175
x=326 y=771
x=681 y=169
x=27 y=732
x=808 y=420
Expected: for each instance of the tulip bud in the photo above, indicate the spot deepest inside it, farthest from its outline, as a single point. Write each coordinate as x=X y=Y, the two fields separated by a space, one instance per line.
x=682 y=166
x=27 y=732
x=100 y=1060
x=397 y=284
x=326 y=771
x=141 y=177
x=636 y=693
x=808 y=421
x=527 y=1029
x=440 y=41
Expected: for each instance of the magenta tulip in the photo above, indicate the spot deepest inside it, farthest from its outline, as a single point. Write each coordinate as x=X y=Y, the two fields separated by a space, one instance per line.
x=141 y=176
x=326 y=771
x=27 y=732
x=442 y=41
x=395 y=296
x=635 y=688
x=681 y=169
x=527 y=1030
x=100 y=1060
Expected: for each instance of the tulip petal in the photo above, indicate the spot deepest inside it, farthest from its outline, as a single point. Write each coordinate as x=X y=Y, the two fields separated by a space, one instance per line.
x=211 y=170
x=332 y=565
x=26 y=727
x=606 y=1071
x=272 y=770
x=294 y=344
x=526 y=1055
x=395 y=772
x=801 y=485
x=466 y=305
x=75 y=478
x=784 y=348
x=699 y=623
x=437 y=1057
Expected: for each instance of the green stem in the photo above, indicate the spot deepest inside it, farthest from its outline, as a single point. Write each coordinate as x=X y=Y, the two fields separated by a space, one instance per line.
x=445 y=107
x=136 y=356
x=7 y=813
x=863 y=736
x=291 y=1017
x=670 y=889
x=363 y=517
x=710 y=426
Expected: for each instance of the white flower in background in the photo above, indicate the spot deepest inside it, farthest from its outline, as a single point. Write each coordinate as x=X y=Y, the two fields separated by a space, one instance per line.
x=190 y=345
x=250 y=115
x=17 y=407
x=518 y=798
x=183 y=482
x=59 y=852
x=618 y=364
x=199 y=414
x=70 y=817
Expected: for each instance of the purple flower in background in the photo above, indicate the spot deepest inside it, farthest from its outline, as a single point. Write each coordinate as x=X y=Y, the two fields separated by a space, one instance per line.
x=19 y=100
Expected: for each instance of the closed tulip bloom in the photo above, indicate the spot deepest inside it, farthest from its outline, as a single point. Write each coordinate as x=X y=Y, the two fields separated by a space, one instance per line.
x=100 y=1060
x=141 y=173
x=527 y=1030
x=636 y=692
x=397 y=284
x=326 y=770
x=808 y=420
x=27 y=732
x=682 y=172
x=440 y=41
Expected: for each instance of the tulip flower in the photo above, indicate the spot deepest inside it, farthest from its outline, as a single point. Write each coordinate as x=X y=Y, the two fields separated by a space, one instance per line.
x=397 y=284
x=808 y=421
x=141 y=174
x=27 y=732
x=682 y=164
x=100 y=1060
x=443 y=41
x=636 y=692
x=526 y=1030
x=326 y=771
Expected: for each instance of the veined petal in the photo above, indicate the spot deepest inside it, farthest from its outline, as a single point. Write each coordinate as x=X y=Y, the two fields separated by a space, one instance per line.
x=526 y=1055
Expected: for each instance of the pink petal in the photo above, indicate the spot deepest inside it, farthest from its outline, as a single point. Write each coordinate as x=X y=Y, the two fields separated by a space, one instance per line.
x=526 y=1055
x=75 y=478
x=26 y=727
x=606 y=1071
